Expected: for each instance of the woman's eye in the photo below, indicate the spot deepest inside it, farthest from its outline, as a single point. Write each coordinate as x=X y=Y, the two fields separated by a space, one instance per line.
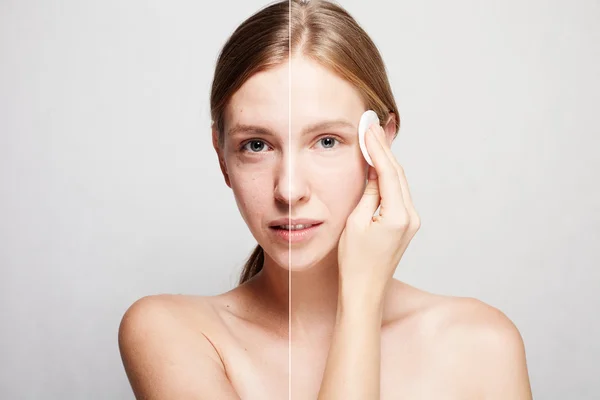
x=254 y=146
x=259 y=146
x=328 y=142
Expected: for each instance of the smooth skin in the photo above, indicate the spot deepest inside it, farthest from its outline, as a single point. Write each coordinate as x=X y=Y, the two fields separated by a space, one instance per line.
x=353 y=365
x=356 y=332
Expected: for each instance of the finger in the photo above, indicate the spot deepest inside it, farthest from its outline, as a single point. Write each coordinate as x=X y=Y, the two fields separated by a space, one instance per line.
x=407 y=198
x=392 y=204
x=372 y=173
x=406 y=193
x=368 y=203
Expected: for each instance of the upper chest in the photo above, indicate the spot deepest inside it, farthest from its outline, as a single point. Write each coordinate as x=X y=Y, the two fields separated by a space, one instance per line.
x=262 y=368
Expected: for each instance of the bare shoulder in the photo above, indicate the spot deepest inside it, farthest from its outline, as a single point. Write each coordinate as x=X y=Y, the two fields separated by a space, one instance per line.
x=165 y=350
x=478 y=343
x=175 y=316
x=466 y=316
x=171 y=305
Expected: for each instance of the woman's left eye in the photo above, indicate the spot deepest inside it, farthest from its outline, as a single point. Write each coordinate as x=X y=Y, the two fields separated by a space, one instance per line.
x=328 y=142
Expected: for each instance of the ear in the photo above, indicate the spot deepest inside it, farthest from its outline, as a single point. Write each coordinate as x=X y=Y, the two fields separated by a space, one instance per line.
x=215 y=141
x=390 y=127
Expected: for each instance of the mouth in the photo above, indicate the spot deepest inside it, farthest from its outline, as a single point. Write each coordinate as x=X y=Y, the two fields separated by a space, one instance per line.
x=295 y=233
x=298 y=227
x=288 y=223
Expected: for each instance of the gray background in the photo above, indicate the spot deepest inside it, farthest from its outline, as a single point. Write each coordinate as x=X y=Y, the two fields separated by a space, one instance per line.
x=111 y=189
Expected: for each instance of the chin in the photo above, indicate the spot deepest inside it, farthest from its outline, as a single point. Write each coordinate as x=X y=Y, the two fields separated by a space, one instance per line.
x=303 y=259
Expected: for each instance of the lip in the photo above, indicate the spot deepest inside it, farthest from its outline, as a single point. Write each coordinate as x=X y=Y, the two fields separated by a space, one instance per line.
x=294 y=221
x=295 y=236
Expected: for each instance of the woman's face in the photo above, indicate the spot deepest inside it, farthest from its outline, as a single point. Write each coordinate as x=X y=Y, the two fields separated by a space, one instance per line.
x=278 y=168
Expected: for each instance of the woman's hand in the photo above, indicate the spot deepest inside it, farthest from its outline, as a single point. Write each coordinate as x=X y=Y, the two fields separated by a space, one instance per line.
x=371 y=247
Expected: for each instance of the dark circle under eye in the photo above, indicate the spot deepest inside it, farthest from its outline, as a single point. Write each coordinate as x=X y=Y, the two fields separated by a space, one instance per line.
x=328 y=142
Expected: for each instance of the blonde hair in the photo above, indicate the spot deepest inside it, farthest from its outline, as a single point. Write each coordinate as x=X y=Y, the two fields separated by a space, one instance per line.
x=319 y=30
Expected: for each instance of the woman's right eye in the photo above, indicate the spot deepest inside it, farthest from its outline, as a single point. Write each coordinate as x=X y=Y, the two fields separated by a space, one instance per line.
x=254 y=146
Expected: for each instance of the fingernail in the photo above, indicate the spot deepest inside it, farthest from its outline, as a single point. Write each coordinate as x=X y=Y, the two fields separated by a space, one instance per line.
x=372 y=173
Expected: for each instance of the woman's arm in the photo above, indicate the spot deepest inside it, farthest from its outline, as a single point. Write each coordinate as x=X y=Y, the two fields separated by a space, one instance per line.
x=369 y=251
x=491 y=350
x=165 y=360
x=352 y=370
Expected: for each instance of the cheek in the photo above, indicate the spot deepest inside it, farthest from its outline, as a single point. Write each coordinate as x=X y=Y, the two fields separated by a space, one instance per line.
x=251 y=192
x=341 y=186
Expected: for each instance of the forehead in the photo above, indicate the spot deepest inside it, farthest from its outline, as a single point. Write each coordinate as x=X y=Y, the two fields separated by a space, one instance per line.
x=302 y=95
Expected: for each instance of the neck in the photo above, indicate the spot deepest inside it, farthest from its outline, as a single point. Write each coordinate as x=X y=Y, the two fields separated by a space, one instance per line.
x=313 y=294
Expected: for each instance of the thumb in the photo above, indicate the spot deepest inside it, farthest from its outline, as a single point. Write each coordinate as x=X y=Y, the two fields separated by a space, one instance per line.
x=369 y=202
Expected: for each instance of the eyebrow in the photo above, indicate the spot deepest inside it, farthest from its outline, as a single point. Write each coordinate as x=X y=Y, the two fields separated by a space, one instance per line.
x=322 y=125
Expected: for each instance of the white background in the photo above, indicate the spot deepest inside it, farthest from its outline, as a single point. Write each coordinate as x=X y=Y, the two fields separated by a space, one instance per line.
x=110 y=188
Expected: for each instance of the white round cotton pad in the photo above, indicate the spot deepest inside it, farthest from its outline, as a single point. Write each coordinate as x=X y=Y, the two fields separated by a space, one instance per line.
x=366 y=120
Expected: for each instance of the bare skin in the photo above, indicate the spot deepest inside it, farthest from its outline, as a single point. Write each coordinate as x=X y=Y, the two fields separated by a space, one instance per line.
x=238 y=344
x=433 y=347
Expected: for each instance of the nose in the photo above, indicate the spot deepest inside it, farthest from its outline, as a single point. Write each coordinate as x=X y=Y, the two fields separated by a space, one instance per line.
x=291 y=186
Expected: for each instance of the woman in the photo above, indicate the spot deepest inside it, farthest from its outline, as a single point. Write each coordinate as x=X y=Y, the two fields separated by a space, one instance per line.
x=317 y=313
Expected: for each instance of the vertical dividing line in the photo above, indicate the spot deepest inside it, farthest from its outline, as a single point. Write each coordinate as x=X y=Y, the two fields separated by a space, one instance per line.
x=289 y=197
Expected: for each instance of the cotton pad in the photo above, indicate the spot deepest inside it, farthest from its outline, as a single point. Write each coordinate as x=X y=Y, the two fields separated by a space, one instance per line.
x=366 y=120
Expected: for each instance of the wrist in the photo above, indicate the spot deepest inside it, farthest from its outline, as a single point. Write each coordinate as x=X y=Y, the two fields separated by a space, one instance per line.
x=361 y=299
x=362 y=289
